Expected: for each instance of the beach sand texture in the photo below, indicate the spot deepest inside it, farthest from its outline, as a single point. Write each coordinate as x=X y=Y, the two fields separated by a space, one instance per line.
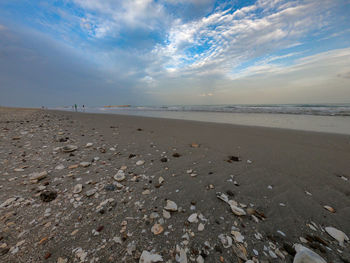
x=104 y=201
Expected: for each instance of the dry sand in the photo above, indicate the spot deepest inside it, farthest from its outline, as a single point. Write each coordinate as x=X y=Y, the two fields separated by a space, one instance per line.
x=288 y=176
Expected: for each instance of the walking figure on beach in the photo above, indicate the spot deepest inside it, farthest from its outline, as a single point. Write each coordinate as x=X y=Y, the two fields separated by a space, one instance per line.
x=75 y=107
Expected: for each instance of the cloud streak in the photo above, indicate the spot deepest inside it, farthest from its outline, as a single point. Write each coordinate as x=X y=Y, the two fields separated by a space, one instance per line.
x=173 y=52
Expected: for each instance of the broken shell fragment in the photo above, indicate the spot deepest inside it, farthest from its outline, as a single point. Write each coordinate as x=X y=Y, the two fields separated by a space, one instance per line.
x=77 y=188
x=147 y=257
x=140 y=162
x=120 y=176
x=193 y=218
x=305 y=255
x=69 y=148
x=157 y=229
x=329 y=208
x=337 y=235
x=225 y=240
x=237 y=236
x=170 y=206
x=237 y=211
x=240 y=252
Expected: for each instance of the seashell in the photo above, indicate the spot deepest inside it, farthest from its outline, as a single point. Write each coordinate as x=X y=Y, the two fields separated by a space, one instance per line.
x=89 y=144
x=120 y=176
x=329 y=208
x=337 y=235
x=166 y=214
x=38 y=176
x=85 y=164
x=147 y=257
x=200 y=227
x=225 y=240
x=222 y=196
x=237 y=211
x=194 y=145
x=160 y=180
x=240 y=252
x=140 y=162
x=193 y=218
x=157 y=229
x=170 y=206
x=305 y=255
x=237 y=236
x=69 y=148
x=90 y=192
x=77 y=188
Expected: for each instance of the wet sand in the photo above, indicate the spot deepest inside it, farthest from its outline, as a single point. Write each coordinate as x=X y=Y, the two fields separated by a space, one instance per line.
x=285 y=175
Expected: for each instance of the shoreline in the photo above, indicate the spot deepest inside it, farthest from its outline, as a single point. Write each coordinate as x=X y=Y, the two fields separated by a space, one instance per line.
x=286 y=175
x=311 y=123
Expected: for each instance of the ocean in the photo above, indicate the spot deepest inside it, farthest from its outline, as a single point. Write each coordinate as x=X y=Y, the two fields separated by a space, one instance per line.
x=331 y=118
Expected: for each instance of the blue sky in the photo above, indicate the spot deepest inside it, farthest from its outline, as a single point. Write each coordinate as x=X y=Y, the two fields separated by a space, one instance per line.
x=99 y=52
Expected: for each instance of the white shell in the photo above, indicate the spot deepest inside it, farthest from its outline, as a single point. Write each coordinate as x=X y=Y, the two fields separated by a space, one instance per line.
x=120 y=176
x=147 y=257
x=305 y=255
x=237 y=211
x=337 y=235
x=170 y=206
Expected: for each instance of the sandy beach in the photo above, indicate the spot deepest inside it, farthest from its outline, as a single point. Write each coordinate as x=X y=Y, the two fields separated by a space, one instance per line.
x=81 y=187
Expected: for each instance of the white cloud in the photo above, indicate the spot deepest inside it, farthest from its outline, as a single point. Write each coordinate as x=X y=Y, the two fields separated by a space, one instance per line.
x=225 y=39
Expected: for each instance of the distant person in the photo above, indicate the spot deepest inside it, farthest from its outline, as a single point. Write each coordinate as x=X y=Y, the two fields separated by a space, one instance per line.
x=83 y=107
x=75 y=107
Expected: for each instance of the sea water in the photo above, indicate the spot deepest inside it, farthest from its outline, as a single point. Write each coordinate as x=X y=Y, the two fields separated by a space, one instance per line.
x=331 y=118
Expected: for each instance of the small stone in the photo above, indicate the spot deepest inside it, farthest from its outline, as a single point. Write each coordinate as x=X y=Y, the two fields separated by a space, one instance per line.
x=110 y=187
x=77 y=188
x=48 y=196
x=160 y=180
x=89 y=144
x=164 y=160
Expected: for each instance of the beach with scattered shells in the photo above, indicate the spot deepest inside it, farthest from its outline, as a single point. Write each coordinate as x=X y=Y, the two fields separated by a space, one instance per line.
x=81 y=187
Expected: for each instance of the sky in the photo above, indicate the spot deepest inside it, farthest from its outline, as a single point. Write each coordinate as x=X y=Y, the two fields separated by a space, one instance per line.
x=174 y=52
